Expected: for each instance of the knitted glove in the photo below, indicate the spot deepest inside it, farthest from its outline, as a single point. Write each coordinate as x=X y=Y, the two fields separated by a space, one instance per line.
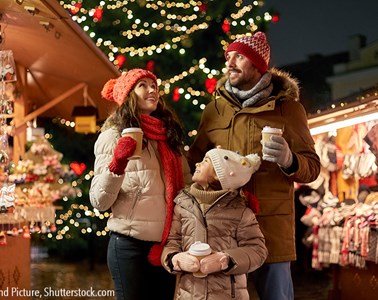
x=122 y=151
x=278 y=151
x=183 y=261
x=215 y=262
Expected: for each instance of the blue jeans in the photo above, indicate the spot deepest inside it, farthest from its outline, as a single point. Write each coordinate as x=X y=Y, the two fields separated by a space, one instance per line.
x=272 y=281
x=133 y=276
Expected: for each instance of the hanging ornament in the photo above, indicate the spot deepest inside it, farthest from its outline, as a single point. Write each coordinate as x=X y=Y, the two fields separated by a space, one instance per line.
x=211 y=84
x=78 y=168
x=150 y=65
x=275 y=18
x=226 y=26
x=202 y=7
x=75 y=9
x=120 y=60
x=176 y=94
x=97 y=15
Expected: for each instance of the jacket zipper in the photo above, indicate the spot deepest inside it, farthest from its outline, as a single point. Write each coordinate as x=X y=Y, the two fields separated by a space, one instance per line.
x=232 y=277
x=136 y=198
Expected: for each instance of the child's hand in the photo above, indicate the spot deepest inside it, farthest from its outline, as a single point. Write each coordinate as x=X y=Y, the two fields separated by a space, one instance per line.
x=215 y=262
x=183 y=261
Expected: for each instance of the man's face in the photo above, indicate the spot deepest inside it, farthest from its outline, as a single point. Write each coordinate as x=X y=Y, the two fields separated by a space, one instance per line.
x=241 y=71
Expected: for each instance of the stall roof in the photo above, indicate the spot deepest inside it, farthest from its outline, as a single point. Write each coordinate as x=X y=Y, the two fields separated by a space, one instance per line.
x=58 y=56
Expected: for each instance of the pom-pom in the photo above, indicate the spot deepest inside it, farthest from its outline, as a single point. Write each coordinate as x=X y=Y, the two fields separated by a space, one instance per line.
x=107 y=90
x=255 y=161
x=155 y=255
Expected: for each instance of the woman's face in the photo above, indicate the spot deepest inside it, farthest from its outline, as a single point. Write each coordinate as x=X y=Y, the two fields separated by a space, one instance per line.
x=146 y=92
x=204 y=173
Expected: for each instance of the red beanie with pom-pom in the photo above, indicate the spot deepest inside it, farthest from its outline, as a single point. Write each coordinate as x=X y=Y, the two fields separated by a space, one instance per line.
x=118 y=89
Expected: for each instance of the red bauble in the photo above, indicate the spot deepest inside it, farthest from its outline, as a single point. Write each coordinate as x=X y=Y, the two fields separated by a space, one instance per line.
x=226 y=26
x=74 y=10
x=211 y=84
x=202 y=7
x=120 y=60
x=150 y=65
x=97 y=16
x=176 y=94
x=275 y=18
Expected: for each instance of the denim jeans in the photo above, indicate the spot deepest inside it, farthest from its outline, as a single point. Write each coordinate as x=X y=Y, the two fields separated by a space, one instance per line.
x=133 y=276
x=272 y=281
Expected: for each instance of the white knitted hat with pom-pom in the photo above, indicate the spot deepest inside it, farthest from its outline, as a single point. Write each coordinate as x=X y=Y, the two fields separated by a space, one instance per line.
x=232 y=169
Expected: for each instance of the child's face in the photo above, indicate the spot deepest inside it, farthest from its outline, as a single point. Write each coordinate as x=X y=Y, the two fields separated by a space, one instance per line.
x=204 y=172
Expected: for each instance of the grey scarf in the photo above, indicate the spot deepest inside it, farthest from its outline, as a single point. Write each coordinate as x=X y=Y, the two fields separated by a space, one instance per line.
x=260 y=91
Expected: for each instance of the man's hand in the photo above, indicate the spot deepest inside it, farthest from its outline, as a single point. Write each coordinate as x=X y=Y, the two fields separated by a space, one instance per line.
x=278 y=151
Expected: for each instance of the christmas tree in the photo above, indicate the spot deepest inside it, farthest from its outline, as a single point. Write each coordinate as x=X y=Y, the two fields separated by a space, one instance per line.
x=182 y=42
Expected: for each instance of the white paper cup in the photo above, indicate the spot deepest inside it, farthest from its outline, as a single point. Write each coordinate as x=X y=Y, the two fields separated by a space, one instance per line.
x=267 y=132
x=199 y=250
x=137 y=134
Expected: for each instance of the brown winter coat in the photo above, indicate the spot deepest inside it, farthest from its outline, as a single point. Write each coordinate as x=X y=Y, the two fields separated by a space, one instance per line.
x=227 y=226
x=224 y=122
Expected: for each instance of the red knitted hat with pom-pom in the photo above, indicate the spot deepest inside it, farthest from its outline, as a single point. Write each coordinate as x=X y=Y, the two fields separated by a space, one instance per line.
x=118 y=89
x=255 y=48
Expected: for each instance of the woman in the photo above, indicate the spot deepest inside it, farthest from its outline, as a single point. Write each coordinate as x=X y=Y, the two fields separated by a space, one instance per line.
x=139 y=192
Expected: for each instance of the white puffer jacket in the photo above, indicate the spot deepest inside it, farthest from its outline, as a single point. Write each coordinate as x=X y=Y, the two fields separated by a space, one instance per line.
x=137 y=198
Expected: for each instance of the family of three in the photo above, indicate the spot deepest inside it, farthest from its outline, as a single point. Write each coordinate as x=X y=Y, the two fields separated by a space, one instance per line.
x=167 y=200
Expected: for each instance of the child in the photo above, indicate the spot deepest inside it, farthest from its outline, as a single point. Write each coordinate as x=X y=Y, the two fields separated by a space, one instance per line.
x=213 y=210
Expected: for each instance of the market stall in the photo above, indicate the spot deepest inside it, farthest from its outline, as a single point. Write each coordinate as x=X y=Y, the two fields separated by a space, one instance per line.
x=54 y=67
x=342 y=205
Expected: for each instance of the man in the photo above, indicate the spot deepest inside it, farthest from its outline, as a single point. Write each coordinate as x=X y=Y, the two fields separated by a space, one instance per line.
x=247 y=99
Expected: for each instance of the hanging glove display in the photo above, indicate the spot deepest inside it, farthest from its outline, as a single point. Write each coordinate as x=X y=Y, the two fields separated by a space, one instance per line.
x=214 y=262
x=183 y=261
x=278 y=151
x=123 y=150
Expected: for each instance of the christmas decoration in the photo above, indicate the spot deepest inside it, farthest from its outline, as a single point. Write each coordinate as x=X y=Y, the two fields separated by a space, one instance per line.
x=182 y=43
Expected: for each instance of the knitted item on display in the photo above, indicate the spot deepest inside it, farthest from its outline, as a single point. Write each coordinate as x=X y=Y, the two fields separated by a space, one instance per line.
x=154 y=129
x=118 y=89
x=232 y=169
x=255 y=48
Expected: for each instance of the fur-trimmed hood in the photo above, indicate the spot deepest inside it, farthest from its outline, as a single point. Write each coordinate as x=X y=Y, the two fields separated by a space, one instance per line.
x=285 y=86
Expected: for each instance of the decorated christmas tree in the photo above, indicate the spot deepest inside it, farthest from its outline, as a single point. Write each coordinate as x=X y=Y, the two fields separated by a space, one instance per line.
x=182 y=42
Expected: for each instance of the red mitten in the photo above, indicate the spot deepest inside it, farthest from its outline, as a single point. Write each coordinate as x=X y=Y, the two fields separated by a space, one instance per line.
x=215 y=262
x=122 y=151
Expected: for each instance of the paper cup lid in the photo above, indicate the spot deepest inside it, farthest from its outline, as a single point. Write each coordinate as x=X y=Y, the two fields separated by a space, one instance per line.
x=131 y=129
x=199 y=248
x=268 y=129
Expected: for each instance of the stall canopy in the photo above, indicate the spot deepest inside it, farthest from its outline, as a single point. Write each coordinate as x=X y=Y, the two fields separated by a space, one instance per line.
x=56 y=61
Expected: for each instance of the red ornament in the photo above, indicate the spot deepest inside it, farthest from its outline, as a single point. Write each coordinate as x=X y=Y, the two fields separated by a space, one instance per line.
x=275 y=18
x=226 y=26
x=150 y=65
x=211 y=84
x=78 y=168
x=97 y=16
x=120 y=60
x=202 y=7
x=75 y=9
x=176 y=94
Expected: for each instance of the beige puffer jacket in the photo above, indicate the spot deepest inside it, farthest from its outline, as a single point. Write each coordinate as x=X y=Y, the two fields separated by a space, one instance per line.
x=137 y=198
x=228 y=226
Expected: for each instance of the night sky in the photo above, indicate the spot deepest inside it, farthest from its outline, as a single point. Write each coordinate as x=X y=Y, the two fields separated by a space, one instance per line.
x=318 y=27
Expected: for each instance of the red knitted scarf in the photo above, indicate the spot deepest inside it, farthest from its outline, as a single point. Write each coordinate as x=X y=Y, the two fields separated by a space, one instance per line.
x=171 y=162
